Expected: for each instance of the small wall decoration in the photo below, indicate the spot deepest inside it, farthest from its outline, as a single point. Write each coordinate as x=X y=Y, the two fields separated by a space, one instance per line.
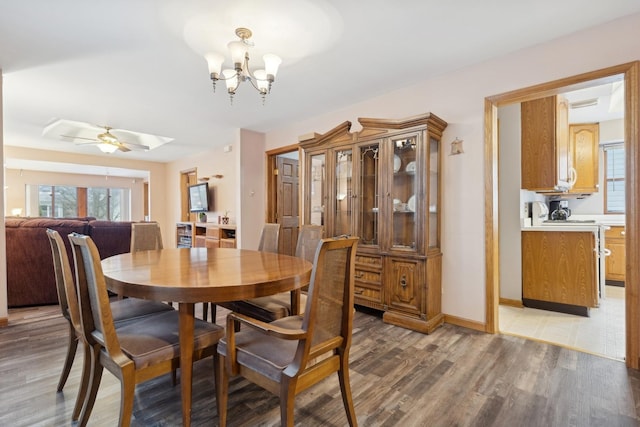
x=456 y=147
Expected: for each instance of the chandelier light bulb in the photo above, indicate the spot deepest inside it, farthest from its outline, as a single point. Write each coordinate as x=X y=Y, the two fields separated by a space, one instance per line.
x=271 y=64
x=214 y=61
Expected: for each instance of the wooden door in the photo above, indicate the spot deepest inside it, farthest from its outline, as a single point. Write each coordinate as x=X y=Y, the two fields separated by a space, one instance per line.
x=287 y=214
x=187 y=178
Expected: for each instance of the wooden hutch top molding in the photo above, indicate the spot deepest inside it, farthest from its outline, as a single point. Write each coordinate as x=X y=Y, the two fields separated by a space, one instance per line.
x=373 y=127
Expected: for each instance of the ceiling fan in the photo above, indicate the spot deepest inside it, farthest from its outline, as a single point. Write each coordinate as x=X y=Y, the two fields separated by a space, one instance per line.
x=107 y=142
x=106 y=138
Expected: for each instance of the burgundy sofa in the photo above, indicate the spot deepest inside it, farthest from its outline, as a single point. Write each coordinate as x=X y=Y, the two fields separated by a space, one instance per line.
x=30 y=276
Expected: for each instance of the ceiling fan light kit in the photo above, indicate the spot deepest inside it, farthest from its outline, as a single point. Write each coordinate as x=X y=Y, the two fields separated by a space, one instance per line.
x=261 y=80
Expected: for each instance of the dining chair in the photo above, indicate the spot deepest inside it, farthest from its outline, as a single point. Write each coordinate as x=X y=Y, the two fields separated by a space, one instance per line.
x=145 y=236
x=122 y=310
x=291 y=354
x=135 y=351
x=269 y=238
x=274 y=307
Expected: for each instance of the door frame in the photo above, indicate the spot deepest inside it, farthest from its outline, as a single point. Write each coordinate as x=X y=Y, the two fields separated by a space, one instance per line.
x=272 y=181
x=631 y=72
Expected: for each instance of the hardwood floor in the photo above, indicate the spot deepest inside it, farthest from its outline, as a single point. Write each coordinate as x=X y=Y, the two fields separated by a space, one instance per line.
x=455 y=376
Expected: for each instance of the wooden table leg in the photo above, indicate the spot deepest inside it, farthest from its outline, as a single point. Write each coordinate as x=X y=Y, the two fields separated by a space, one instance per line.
x=186 y=358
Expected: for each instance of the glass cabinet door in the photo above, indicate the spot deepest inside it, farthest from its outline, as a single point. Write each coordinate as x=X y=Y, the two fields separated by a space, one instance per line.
x=317 y=189
x=344 y=200
x=404 y=192
x=369 y=194
x=434 y=186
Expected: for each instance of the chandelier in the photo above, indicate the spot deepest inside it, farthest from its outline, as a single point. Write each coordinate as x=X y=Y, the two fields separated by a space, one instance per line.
x=261 y=79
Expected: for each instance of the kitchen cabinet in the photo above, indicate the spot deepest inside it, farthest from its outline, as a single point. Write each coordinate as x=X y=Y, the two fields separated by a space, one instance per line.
x=583 y=153
x=545 y=143
x=559 y=271
x=383 y=184
x=615 y=267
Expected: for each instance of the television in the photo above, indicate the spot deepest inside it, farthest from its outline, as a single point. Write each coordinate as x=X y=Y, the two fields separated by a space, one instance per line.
x=199 y=197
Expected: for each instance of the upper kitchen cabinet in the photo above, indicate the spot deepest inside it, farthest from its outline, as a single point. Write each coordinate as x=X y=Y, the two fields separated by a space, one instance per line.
x=545 y=144
x=583 y=148
x=383 y=184
x=557 y=157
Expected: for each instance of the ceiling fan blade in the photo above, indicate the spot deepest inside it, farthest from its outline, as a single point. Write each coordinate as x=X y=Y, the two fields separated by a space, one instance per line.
x=78 y=137
x=132 y=146
x=122 y=147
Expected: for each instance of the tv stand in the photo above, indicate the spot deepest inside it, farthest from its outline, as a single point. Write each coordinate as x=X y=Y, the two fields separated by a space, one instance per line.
x=205 y=235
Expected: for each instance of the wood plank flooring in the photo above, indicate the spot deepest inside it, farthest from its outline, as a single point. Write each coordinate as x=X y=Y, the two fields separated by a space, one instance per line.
x=454 y=377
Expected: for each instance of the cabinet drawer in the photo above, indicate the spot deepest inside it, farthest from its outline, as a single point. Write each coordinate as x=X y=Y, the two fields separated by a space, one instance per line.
x=212 y=243
x=199 y=242
x=614 y=233
x=213 y=232
x=227 y=243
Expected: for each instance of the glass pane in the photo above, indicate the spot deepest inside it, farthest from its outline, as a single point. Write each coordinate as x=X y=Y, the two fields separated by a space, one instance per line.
x=344 y=192
x=116 y=204
x=404 y=193
x=369 y=198
x=317 y=188
x=45 y=197
x=434 y=185
x=65 y=202
x=615 y=196
x=98 y=203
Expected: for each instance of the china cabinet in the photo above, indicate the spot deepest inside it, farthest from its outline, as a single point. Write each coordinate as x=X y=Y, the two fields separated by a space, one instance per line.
x=383 y=184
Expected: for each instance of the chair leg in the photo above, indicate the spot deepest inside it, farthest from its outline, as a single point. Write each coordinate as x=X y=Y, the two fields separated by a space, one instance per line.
x=222 y=388
x=71 y=354
x=128 y=388
x=345 y=388
x=287 y=402
x=214 y=312
x=94 y=384
x=84 y=382
x=205 y=312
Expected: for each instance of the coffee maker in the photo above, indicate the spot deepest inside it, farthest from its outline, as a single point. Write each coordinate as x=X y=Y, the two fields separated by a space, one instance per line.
x=559 y=210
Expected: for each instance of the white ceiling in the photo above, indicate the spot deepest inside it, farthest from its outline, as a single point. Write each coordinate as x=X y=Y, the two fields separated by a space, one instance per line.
x=126 y=64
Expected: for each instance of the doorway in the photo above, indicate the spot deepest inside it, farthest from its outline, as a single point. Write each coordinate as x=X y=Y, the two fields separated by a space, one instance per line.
x=632 y=121
x=283 y=206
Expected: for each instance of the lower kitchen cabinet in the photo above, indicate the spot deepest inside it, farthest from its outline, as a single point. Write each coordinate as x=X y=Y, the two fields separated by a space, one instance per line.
x=559 y=271
x=616 y=261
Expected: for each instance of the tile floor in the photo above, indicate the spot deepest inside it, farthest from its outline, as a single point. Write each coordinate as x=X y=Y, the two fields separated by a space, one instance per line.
x=603 y=333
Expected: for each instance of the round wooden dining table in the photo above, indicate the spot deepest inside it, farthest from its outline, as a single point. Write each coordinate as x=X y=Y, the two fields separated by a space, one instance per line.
x=191 y=275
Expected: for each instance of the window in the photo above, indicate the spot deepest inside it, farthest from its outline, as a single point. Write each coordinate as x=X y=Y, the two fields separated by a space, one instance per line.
x=614 y=178
x=110 y=204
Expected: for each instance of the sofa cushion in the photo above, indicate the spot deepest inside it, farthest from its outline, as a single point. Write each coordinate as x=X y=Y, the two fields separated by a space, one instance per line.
x=111 y=237
x=30 y=275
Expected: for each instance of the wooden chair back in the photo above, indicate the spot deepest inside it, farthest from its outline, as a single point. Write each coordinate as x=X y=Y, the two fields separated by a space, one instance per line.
x=291 y=354
x=269 y=238
x=328 y=317
x=64 y=279
x=95 y=308
x=308 y=238
x=145 y=236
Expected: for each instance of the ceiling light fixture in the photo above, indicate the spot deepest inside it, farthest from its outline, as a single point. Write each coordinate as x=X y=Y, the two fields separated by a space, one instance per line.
x=107 y=148
x=261 y=79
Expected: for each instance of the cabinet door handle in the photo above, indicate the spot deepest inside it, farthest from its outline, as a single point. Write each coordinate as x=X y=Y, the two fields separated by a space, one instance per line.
x=359 y=275
x=622 y=233
x=358 y=291
x=403 y=281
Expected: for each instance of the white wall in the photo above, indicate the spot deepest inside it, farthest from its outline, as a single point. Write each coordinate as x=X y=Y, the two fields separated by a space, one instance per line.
x=4 y=312
x=458 y=98
x=225 y=190
x=252 y=190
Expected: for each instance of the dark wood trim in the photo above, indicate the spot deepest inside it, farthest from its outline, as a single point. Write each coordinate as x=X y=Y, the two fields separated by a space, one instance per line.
x=556 y=306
